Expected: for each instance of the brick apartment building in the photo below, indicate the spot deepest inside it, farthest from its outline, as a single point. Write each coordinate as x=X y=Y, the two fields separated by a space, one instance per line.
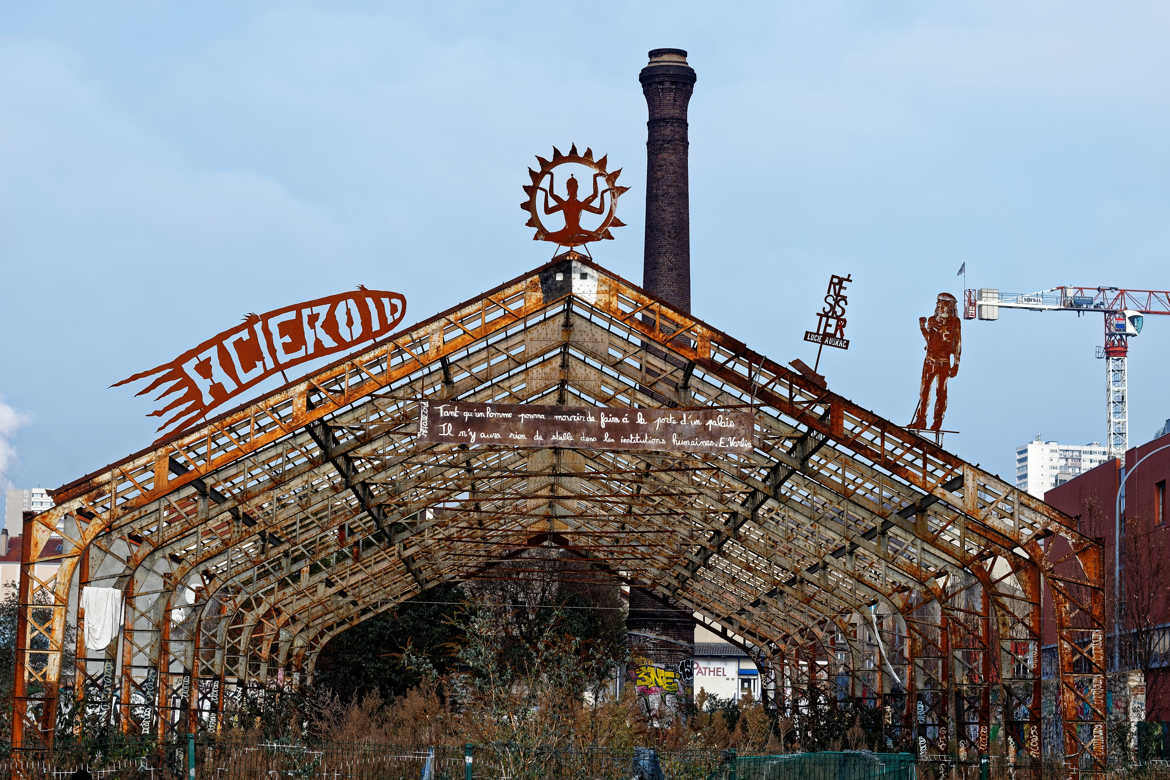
x=1144 y=561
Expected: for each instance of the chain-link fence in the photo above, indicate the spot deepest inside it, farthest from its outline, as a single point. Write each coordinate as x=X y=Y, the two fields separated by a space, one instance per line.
x=230 y=760
x=243 y=760
x=240 y=760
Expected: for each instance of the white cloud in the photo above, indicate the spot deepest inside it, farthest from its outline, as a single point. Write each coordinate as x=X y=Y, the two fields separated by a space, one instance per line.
x=10 y=421
x=1082 y=56
x=301 y=151
x=76 y=157
x=827 y=86
x=116 y=224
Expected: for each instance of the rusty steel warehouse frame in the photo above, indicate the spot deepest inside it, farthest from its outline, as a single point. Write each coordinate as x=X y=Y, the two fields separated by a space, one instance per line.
x=852 y=558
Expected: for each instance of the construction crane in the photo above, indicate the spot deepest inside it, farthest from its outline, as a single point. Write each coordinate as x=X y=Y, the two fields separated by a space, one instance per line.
x=1123 y=311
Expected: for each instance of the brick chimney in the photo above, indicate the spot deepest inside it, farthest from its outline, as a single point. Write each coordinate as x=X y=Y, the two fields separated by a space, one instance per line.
x=667 y=81
x=660 y=630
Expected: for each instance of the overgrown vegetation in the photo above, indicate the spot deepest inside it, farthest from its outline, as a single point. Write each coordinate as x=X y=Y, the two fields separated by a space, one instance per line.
x=527 y=662
x=368 y=658
x=535 y=671
x=525 y=672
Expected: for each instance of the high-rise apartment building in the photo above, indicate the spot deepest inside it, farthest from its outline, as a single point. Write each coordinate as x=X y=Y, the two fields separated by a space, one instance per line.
x=17 y=502
x=1042 y=465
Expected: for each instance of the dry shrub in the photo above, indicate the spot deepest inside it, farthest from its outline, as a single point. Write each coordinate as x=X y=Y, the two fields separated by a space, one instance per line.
x=607 y=723
x=417 y=718
x=754 y=732
x=744 y=725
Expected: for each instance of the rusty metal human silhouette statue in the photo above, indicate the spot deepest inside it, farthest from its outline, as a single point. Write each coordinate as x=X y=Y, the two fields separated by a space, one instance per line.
x=942 y=332
x=570 y=206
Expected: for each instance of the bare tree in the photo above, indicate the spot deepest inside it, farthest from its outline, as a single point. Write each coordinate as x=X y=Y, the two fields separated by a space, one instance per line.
x=1142 y=602
x=1141 y=594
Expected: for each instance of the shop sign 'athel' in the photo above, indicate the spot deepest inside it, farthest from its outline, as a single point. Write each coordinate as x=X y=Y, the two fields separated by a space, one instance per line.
x=238 y=359
x=586 y=427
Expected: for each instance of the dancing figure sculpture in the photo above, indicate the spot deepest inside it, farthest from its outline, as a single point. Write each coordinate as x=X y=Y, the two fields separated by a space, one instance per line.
x=602 y=202
x=571 y=209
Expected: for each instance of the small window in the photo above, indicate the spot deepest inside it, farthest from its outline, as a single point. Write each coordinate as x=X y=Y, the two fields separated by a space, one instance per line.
x=1160 y=502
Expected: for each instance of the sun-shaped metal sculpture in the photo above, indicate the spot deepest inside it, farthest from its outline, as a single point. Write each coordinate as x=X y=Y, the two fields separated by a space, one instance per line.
x=601 y=202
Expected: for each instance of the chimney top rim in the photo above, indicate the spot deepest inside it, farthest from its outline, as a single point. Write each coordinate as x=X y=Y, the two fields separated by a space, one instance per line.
x=668 y=57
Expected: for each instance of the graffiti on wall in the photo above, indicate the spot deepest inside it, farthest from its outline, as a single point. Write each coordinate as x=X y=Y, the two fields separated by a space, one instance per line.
x=655 y=679
x=660 y=689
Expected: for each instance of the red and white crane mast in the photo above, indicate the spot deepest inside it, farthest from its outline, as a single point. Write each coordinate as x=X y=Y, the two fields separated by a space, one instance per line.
x=1123 y=311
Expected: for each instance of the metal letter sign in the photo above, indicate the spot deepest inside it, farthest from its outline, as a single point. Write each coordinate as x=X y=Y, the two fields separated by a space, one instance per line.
x=830 y=330
x=234 y=361
x=586 y=427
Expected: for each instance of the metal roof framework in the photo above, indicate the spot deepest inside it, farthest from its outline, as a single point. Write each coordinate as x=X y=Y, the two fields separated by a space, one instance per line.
x=852 y=557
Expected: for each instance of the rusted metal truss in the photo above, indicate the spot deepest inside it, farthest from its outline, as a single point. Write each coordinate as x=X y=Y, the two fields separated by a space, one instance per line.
x=852 y=557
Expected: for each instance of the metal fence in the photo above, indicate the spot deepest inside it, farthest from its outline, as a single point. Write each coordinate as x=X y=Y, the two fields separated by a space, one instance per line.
x=828 y=765
x=237 y=760
x=242 y=760
x=229 y=761
x=59 y=768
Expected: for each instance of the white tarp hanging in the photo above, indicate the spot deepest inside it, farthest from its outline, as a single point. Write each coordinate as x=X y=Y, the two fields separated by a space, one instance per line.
x=103 y=615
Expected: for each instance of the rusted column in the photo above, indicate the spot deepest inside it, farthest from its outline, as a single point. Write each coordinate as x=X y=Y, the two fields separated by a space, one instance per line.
x=220 y=684
x=1092 y=563
x=913 y=649
x=80 y=656
x=880 y=683
x=1030 y=734
x=162 y=704
x=989 y=658
x=950 y=686
x=127 y=655
x=667 y=82
x=192 y=714
x=797 y=683
x=22 y=662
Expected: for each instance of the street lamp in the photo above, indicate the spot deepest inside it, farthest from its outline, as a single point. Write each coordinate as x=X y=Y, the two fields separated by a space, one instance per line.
x=1117 y=555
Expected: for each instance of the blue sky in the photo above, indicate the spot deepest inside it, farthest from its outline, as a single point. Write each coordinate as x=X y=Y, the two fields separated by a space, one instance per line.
x=165 y=169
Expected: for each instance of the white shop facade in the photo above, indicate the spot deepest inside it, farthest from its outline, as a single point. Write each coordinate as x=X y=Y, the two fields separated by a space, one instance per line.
x=723 y=670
